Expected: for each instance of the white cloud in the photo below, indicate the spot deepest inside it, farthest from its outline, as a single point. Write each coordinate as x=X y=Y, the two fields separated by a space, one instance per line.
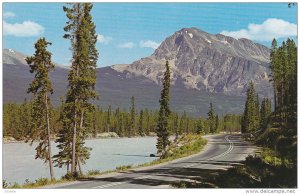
x=8 y=15
x=126 y=45
x=149 y=44
x=269 y=29
x=104 y=39
x=27 y=28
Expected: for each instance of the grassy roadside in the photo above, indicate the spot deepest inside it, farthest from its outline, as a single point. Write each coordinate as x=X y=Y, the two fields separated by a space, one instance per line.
x=184 y=146
x=264 y=170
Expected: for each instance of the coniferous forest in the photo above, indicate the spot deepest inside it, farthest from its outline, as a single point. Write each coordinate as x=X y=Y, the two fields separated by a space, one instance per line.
x=276 y=129
x=17 y=119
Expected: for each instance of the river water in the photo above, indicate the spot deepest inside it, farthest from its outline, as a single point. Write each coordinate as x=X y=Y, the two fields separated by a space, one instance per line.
x=18 y=161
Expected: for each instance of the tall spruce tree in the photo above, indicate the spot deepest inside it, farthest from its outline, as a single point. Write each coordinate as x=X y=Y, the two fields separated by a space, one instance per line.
x=164 y=112
x=182 y=123
x=40 y=64
x=80 y=30
x=141 y=123
x=200 y=126
x=291 y=93
x=211 y=118
x=250 y=119
x=108 y=119
x=176 y=124
x=132 y=117
x=217 y=122
x=284 y=76
x=265 y=112
x=273 y=66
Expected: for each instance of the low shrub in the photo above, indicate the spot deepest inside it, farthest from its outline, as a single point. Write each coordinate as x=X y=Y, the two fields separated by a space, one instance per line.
x=93 y=172
x=124 y=167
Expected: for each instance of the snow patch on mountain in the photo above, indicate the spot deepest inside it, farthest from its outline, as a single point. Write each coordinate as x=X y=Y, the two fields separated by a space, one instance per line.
x=202 y=61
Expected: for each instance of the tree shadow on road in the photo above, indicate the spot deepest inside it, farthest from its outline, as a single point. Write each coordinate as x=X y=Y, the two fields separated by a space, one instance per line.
x=160 y=176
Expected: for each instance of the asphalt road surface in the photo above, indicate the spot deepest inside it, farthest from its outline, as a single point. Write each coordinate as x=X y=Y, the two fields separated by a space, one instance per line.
x=221 y=152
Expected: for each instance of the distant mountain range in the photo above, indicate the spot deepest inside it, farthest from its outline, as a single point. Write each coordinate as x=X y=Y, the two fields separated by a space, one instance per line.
x=204 y=68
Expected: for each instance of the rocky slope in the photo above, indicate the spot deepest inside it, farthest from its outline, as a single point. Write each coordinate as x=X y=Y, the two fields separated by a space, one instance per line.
x=206 y=62
x=205 y=68
x=115 y=88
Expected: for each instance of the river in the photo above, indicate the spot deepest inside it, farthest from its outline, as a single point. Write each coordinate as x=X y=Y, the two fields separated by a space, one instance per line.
x=18 y=161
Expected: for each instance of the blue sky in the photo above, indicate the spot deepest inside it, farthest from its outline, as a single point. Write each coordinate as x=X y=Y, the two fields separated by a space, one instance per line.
x=130 y=31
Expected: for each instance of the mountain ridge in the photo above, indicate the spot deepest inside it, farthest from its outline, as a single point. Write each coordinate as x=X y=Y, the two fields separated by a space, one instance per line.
x=195 y=56
x=204 y=68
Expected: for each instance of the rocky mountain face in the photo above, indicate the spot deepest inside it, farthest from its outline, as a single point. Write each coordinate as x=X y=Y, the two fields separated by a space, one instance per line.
x=204 y=68
x=206 y=62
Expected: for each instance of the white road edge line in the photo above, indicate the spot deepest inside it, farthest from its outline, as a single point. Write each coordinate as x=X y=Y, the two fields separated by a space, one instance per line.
x=148 y=176
x=220 y=155
x=225 y=153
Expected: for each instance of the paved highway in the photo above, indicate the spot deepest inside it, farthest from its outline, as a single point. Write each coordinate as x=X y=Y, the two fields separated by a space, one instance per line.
x=221 y=152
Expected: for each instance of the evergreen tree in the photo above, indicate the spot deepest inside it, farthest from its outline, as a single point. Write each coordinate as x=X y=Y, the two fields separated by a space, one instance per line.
x=200 y=126
x=273 y=66
x=250 y=120
x=257 y=108
x=40 y=64
x=141 y=123
x=164 y=112
x=187 y=126
x=176 y=123
x=108 y=119
x=211 y=119
x=265 y=112
x=132 y=117
x=232 y=123
x=182 y=123
x=291 y=93
x=25 y=119
x=284 y=78
x=16 y=125
x=118 y=122
x=64 y=139
x=217 y=122
x=80 y=30
x=147 y=121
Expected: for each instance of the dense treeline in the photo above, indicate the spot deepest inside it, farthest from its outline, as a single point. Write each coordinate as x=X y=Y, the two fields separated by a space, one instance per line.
x=255 y=116
x=17 y=121
x=281 y=135
x=284 y=73
x=275 y=131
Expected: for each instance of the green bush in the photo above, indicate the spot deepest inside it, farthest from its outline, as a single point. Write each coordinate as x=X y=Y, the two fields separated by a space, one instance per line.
x=70 y=176
x=268 y=137
x=4 y=184
x=93 y=172
x=124 y=167
x=15 y=186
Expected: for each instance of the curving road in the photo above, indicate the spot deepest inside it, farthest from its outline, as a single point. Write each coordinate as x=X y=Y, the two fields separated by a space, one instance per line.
x=221 y=152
